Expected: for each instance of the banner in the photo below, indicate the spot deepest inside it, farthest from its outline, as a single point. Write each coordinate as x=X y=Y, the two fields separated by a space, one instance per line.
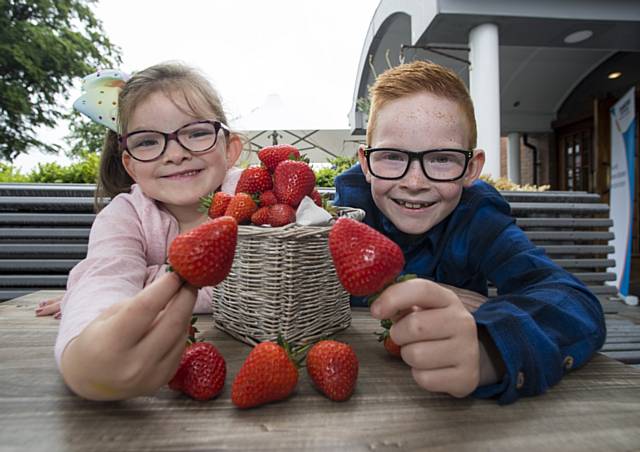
x=623 y=142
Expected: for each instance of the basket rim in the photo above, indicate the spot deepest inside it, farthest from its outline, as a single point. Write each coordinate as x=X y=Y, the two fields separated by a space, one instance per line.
x=253 y=230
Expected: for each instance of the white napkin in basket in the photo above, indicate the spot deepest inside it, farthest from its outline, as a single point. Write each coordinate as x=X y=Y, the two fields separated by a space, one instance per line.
x=310 y=214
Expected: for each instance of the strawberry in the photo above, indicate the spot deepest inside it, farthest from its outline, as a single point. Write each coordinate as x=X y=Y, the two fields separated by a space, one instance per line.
x=203 y=256
x=390 y=346
x=333 y=368
x=201 y=373
x=255 y=179
x=292 y=181
x=268 y=374
x=271 y=156
x=241 y=207
x=268 y=198
x=366 y=261
x=317 y=197
x=216 y=204
x=260 y=216
x=281 y=214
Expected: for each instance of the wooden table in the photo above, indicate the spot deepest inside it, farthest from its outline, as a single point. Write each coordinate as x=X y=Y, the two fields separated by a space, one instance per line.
x=595 y=408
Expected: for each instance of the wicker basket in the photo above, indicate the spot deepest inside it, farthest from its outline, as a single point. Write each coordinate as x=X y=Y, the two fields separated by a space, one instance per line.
x=282 y=282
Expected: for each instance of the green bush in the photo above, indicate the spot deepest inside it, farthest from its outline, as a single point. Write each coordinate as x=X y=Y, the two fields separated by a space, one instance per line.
x=82 y=171
x=325 y=177
x=9 y=174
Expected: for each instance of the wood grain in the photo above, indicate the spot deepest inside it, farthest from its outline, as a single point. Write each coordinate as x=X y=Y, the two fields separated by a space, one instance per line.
x=593 y=408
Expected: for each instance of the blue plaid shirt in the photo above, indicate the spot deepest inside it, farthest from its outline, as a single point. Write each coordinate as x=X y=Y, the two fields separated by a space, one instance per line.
x=543 y=321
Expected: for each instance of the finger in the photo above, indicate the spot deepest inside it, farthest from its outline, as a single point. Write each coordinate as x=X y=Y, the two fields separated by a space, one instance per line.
x=450 y=380
x=171 y=326
x=427 y=325
x=134 y=318
x=430 y=355
x=48 y=309
x=415 y=292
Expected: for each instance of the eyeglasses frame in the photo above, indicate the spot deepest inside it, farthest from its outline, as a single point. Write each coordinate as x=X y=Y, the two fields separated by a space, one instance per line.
x=217 y=126
x=418 y=156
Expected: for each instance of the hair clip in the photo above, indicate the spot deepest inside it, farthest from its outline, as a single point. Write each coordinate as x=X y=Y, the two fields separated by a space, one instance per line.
x=99 y=99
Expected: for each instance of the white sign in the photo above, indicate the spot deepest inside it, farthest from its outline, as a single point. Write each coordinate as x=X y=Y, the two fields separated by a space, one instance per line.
x=623 y=139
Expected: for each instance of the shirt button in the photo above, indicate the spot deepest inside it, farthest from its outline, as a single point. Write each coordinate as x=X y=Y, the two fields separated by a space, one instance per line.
x=568 y=362
x=520 y=380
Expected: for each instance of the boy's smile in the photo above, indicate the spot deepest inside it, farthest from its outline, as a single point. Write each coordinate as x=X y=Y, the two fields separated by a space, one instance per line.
x=420 y=122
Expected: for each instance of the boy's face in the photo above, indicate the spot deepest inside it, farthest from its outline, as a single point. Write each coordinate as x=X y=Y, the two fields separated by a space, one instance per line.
x=420 y=122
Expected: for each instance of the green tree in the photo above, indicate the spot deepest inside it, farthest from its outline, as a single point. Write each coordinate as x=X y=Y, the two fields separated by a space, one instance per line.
x=44 y=46
x=84 y=135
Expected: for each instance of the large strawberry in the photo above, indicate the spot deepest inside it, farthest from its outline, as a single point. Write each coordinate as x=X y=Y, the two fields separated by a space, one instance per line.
x=201 y=373
x=366 y=261
x=271 y=156
x=292 y=181
x=254 y=179
x=203 y=256
x=333 y=368
x=215 y=205
x=268 y=374
x=241 y=207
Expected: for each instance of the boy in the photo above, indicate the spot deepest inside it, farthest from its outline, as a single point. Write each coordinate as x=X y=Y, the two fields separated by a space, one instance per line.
x=417 y=180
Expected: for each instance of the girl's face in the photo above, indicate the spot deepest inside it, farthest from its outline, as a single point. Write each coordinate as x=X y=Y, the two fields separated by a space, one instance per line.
x=178 y=178
x=420 y=122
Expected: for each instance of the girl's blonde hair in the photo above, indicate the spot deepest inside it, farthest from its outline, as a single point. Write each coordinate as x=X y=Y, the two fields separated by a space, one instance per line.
x=415 y=77
x=178 y=82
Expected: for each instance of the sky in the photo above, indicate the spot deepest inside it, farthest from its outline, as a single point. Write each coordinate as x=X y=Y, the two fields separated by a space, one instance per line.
x=301 y=55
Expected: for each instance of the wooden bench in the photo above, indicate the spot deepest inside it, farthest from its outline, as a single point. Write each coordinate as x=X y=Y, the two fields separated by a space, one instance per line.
x=44 y=230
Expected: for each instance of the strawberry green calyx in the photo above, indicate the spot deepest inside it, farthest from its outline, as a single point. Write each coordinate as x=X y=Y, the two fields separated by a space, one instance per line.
x=398 y=279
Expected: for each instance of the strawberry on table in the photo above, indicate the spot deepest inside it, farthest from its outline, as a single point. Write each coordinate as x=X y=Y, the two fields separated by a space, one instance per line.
x=366 y=261
x=292 y=181
x=203 y=256
x=254 y=179
x=333 y=368
x=271 y=156
x=201 y=373
x=267 y=375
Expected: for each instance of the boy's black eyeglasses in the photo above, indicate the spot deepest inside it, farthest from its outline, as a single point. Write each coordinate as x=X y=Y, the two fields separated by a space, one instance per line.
x=440 y=165
x=147 y=145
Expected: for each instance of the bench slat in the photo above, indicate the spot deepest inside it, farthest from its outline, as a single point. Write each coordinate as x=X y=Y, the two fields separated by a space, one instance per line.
x=42 y=251
x=534 y=208
x=53 y=234
x=37 y=265
x=33 y=280
x=553 y=222
x=50 y=204
x=48 y=219
x=563 y=250
x=576 y=236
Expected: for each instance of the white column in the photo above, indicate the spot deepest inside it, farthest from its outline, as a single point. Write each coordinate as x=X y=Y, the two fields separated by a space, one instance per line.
x=484 y=86
x=513 y=158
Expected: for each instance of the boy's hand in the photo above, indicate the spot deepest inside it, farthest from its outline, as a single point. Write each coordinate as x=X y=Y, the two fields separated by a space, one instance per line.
x=135 y=346
x=437 y=334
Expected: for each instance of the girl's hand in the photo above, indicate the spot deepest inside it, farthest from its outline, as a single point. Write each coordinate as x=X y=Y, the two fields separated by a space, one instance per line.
x=49 y=307
x=135 y=346
x=437 y=334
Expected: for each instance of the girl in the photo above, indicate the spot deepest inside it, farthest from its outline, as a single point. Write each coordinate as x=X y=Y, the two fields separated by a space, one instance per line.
x=125 y=319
